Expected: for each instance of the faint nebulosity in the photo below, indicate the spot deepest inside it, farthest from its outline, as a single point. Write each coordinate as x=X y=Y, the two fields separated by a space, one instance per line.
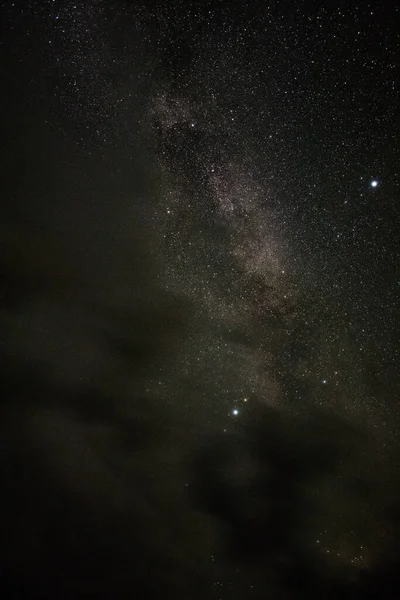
x=200 y=298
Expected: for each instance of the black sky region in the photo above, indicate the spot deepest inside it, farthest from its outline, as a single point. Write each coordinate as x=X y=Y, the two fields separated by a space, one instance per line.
x=200 y=299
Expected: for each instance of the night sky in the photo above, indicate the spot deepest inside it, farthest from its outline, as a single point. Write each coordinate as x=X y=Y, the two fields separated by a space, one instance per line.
x=200 y=285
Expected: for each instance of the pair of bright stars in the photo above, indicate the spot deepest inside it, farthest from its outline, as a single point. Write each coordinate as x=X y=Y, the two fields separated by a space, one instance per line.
x=235 y=411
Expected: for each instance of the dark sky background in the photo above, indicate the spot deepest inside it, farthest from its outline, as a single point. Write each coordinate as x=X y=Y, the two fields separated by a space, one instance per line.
x=200 y=299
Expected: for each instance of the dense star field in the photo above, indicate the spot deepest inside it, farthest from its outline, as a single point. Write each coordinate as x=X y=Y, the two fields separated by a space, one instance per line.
x=200 y=299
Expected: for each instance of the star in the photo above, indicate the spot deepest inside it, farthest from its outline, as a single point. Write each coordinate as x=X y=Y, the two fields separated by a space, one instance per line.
x=235 y=412
x=374 y=183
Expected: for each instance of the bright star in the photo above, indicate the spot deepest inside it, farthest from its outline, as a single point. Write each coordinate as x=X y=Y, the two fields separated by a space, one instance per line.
x=374 y=183
x=324 y=381
x=235 y=412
